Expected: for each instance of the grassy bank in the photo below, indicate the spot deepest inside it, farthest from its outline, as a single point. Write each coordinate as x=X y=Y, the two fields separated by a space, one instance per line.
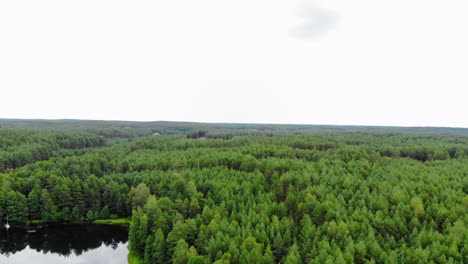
x=120 y=221
x=35 y=224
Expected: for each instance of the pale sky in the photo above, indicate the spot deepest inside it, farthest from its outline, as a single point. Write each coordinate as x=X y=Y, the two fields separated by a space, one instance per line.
x=359 y=62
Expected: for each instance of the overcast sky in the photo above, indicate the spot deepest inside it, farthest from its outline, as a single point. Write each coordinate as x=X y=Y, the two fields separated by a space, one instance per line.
x=362 y=62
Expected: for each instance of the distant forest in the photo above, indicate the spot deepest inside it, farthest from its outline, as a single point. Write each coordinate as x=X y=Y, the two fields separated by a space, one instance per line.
x=246 y=193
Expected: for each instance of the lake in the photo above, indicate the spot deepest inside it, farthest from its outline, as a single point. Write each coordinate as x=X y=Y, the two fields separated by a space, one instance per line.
x=77 y=244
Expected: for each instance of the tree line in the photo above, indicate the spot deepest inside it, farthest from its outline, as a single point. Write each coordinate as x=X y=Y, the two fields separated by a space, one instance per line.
x=20 y=147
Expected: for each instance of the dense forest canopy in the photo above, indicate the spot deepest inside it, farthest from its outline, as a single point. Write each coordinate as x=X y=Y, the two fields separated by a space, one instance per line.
x=220 y=193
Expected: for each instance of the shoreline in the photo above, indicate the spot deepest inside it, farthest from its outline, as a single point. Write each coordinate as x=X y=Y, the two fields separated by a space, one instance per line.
x=38 y=224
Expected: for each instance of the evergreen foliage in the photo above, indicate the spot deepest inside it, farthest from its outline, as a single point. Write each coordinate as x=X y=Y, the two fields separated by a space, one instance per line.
x=349 y=197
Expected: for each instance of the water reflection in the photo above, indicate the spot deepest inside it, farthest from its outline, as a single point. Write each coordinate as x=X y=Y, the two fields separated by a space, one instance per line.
x=65 y=244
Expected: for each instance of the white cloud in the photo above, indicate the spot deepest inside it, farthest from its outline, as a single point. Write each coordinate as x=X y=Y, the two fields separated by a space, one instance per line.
x=316 y=21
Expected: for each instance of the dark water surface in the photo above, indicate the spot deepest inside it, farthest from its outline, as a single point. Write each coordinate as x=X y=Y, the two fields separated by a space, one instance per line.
x=77 y=244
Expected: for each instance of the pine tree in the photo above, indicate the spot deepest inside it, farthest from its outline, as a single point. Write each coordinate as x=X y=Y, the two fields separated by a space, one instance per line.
x=268 y=257
x=149 y=244
x=196 y=260
x=17 y=207
x=180 y=255
x=159 y=248
x=293 y=256
x=34 y=203
x=139 y=195
x=133 y=231
x=104 y=214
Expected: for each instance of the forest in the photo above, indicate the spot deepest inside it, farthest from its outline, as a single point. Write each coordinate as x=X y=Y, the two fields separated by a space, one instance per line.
x=227 y=193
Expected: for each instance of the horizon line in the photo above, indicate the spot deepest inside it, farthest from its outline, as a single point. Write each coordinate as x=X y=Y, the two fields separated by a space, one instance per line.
x=227 y=123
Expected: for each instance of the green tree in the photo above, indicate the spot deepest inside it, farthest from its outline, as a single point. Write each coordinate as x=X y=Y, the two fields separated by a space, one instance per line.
x=149 y=244
x=139 y=195
x=17 y=209
x=417 y=206
x=34 y=203
x=181 y=252
x=293 y=256
x=196 y=260
x=159 y=248
x=104 y=214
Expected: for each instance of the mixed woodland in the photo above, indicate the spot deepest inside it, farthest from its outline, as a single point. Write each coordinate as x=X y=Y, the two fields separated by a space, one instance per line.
x=244 y=194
